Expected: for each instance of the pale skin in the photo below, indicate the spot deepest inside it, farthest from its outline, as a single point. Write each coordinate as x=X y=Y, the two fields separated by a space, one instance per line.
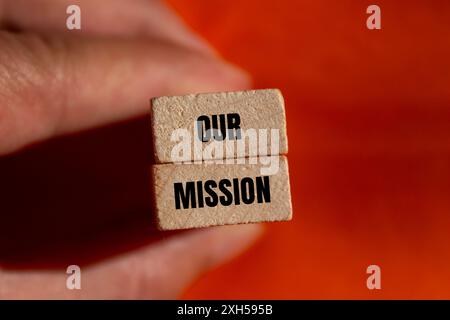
x=55 y=82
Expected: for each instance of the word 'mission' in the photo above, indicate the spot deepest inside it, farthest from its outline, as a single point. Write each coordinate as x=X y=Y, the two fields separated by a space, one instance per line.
x=225 y=192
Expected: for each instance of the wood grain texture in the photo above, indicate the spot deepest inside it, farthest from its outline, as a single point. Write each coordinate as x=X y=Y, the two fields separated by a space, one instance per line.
x=169 y=218
x=257 y=109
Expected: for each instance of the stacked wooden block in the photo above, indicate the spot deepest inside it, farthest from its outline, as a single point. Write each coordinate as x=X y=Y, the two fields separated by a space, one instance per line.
x=220 y=159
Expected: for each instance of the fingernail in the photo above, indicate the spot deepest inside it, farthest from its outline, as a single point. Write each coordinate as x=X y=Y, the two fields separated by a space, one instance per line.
x=207 y=74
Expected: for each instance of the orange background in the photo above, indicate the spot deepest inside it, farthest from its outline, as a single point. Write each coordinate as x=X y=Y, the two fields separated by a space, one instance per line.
x=368 y=117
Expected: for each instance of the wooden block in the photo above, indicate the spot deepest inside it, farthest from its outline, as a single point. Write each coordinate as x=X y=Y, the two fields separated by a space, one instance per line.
x=239 y=112
x=201 y=195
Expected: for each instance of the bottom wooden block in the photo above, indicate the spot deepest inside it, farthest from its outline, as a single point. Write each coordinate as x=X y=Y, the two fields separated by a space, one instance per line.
x=201 y=195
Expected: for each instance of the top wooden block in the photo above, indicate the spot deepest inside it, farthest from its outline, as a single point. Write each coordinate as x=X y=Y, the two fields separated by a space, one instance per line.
x=237 y=117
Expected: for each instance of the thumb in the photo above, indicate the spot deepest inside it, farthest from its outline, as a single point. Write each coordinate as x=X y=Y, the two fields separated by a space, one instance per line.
x=159 y=271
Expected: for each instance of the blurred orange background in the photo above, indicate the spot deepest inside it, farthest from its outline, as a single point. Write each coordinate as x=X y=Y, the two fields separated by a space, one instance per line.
x=368 y=115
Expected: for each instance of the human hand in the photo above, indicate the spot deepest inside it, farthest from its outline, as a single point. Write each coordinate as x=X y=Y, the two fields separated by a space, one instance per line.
x=80 y=193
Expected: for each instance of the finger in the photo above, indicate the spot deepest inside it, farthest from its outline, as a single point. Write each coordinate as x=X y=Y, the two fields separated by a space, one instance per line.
x=112 y=17
x=159 y=272
x=51 y=86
